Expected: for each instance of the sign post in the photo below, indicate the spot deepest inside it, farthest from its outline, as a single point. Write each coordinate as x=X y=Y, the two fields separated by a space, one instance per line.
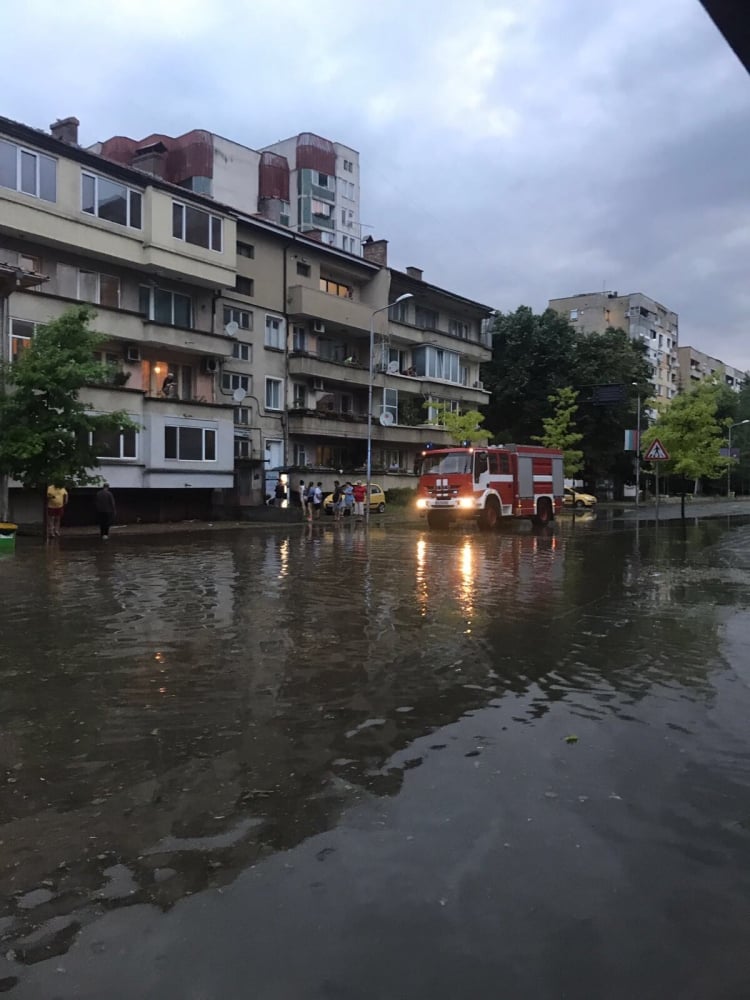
x=656 y=453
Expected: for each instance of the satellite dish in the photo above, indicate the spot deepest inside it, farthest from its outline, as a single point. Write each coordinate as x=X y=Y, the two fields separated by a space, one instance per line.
x=393 y=367
x=239 y=394
x=386 y=418
x=232 y=329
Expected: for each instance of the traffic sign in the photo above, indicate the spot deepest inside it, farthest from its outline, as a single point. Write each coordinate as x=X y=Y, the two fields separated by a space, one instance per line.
x=656 y=452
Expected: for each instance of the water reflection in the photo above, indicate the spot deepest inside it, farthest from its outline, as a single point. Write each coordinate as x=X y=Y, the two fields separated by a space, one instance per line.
x=173 y=713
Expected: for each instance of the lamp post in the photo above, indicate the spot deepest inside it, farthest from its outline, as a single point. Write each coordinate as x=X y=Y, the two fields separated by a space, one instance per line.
x=638 y=452
x=729 y=450
x=401 y=298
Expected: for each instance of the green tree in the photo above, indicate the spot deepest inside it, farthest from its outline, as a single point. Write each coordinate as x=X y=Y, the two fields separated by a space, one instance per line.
x=45 y=428
x=560 y=430
x=690 y=430
x=532 y=356
x=460 y=426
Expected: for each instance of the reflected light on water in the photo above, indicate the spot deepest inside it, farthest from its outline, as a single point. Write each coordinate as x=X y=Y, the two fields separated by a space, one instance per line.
x=284 y=559
x=421 y=576
x=466 y=593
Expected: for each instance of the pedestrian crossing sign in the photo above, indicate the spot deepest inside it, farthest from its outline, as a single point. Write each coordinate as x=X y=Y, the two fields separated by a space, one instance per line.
x=656 y=452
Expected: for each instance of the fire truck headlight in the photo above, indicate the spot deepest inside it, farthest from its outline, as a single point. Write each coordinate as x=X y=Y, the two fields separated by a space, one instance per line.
x=466 y=502
x=421 y=503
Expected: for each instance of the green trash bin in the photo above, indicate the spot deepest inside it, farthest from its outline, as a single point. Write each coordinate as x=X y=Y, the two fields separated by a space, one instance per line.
x=7 y=537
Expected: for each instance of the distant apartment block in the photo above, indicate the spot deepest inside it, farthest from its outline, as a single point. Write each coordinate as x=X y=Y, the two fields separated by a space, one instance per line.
x=642 y=318
x=307 y=183
x=696 y=367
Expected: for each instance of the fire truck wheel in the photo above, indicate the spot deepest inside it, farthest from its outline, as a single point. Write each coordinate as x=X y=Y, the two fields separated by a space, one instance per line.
x=490 y=516
x=438 y=519
x=543 y=511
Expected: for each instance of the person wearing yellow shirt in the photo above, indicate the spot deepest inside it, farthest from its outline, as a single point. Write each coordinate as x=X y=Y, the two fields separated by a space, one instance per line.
x=57 y=498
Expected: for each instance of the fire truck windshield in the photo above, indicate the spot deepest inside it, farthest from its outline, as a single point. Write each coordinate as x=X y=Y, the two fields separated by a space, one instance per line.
x=453 y=461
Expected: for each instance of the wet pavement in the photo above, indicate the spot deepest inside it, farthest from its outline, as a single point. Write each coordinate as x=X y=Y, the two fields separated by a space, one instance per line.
x=304 y=763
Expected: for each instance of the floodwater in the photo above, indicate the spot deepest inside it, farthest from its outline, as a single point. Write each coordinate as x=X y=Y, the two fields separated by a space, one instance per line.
x=305 y=764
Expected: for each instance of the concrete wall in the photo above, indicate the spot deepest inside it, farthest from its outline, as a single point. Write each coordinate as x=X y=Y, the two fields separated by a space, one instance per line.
x=235 y=180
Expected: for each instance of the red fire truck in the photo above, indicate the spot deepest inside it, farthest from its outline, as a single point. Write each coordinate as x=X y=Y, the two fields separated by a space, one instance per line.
x=489 y=483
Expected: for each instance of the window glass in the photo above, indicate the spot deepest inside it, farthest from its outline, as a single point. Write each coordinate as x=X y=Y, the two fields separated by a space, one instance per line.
x=162 y=306
x=170 y=442
x=106 y=443
x=109 y=291
x=196 y=227
x=191 y=444
x=112 y=202
x=8 y=159
x=182 y=310
x=87 y=286
x=28 y=173
x=47 y=178
x=129 y=444
x=135 y=209
x=216 y=234
x=178 y=220
x=88 y=194
x=210 y=445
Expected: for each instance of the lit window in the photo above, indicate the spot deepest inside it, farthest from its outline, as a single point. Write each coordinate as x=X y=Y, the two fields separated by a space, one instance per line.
x=335 y=288
x=21 y=333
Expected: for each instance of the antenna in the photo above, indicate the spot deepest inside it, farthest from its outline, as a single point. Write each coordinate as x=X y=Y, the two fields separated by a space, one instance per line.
x=239 y=394
x=232 y=329
x=386 y=418
x=393 y=367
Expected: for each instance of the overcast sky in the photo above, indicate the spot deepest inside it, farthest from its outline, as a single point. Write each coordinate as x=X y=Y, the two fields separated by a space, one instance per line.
x=517 y=150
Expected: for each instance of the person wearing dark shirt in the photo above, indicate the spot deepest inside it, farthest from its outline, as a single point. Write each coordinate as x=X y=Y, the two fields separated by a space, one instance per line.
x=105 y=511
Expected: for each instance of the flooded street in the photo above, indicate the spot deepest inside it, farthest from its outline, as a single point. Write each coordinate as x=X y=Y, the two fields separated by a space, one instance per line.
x=305 y=764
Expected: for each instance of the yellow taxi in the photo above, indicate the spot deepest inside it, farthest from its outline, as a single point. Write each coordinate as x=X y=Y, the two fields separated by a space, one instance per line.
x=575 y=498
x=377 y=501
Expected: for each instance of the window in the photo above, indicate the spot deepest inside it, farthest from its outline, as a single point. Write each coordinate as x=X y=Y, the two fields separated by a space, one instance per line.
x=242 y=352
x=432 y=362
x=190 y=444
x=435 y=415
x=231 y=381
x=346 y=189
x=335 y=288
x=21 y=332
x=275 y=333
x=245 y=250
x=242 y=415
x=499 y=464
x=245 y=286
x=343 y=216
x=195 y=226
x=28 y=263
x=242 y=317
x=322 y=180
x=299 y=338
x=114 y=363
x=348 y=166
x=299 y=395
x=574 y=314
x=459 y=329
x=300 y=455
x=303 y=269
x=104 y=289
x=115 y=444
x=321 y=208
x=398 y=312
x=167 y=308
x=242 y=448
x=426 y=319
x=273 y=393
x=110 y=201
x=29 y=172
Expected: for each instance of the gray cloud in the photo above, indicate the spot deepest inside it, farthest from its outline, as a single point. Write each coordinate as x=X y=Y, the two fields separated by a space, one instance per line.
x=515 y=150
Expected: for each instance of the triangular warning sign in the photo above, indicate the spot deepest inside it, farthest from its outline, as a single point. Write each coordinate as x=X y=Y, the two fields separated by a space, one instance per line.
x=656 y=452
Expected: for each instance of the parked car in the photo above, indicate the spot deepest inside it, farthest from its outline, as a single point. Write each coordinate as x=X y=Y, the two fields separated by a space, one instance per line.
x=377 y=500
x=575 y=498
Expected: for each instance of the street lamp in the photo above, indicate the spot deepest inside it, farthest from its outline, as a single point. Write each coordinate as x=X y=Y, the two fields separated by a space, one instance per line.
x=401 y=298
x=638 y=452
x=729 y=450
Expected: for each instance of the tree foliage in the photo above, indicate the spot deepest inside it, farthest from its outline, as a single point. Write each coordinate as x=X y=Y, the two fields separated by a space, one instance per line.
x=560 y=430
x=460 y=426
x=44 y=427
x=692 y=433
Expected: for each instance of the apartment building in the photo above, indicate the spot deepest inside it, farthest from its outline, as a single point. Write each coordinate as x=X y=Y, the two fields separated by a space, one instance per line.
x=307 y=183
x=643 y=318
x=695 y=366
x=153 y=260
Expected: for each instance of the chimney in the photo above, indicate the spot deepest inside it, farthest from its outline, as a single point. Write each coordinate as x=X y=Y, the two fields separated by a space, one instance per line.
x=65 y=130
x=376 y=251
x=150 y=159
x=414 y=272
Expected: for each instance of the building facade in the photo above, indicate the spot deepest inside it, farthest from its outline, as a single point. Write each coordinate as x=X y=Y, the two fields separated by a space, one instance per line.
x=239 y=347
x=696 y=367
x=644 y=319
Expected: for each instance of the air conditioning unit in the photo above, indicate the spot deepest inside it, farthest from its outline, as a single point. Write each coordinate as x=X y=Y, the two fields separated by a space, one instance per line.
x=319 y=326
x=210 y=366
x=317 y=384
x=132 y=354
x=479 y=385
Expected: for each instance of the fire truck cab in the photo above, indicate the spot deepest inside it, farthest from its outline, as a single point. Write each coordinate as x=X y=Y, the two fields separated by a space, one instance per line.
x=487 y=483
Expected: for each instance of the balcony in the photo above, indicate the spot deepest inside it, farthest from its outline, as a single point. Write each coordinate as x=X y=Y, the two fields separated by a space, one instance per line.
x=334 y=309
x=351 y=426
